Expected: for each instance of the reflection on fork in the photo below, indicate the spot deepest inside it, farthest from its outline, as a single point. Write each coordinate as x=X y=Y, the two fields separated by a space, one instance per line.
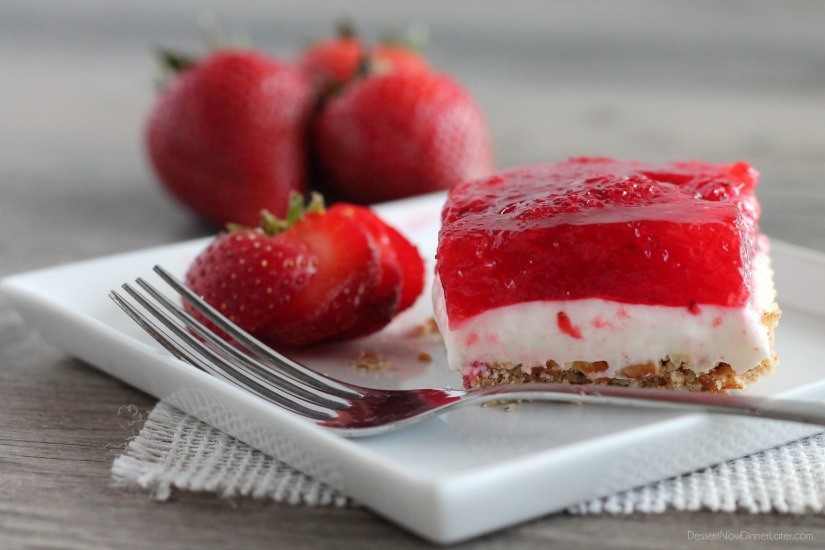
x=354 y=411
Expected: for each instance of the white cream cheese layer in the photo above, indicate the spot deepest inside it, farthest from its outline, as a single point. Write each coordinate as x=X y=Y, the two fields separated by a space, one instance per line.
x=531 y=333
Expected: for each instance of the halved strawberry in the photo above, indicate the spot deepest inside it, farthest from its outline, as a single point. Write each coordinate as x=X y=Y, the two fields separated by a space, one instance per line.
x=247 y=277
x=401 y=266
x=346 y=277
x=290 y=282
x=384 y=298
x=316 y=275
x=412 y=268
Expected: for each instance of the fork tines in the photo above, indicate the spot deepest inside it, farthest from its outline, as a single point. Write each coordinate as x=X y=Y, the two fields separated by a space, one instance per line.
x=248 y=363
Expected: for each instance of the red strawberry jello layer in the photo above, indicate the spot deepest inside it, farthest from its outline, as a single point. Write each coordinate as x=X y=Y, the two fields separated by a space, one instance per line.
x=607 y=271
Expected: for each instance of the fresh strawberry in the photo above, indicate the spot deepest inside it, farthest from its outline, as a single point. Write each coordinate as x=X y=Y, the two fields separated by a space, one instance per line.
x=400 y=134
x=317 y=275
x=290 y=282
x=384 y=298
x=348 y=272
x=396 y=251
x=401 y=269
x=333 y=62
x=245 y=275
x=412 y=268
x=227 y=137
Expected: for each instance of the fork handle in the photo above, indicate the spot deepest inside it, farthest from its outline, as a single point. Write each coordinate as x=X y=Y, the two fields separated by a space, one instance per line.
x=805 y=412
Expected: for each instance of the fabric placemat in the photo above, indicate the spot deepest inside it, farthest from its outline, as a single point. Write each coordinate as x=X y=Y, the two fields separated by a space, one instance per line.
x=175 y=451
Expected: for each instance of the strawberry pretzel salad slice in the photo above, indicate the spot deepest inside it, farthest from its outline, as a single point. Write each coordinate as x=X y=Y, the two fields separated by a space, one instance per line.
x=596 y=270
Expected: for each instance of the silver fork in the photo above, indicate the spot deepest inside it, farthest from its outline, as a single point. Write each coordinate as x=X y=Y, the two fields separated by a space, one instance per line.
x=355 y=411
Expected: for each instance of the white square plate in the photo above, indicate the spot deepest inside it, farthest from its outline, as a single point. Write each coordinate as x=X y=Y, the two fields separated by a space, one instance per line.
x=467 y=472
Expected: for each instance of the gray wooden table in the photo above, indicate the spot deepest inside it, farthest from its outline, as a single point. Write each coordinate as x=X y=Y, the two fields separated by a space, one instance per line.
x=653 y=81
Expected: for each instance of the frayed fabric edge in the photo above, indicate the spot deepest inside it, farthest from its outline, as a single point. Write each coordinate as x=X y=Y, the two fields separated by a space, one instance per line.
x=175 y=451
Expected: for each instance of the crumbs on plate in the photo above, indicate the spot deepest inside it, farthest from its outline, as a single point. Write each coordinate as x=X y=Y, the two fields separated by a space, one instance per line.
x=509 y=405
x=427 y=328
x=370 y=362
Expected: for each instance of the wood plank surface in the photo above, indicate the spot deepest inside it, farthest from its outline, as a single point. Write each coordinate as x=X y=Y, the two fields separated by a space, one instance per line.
x=654 y=81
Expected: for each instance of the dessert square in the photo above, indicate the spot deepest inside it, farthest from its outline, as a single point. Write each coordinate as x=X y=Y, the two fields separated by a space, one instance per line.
x=596 y=270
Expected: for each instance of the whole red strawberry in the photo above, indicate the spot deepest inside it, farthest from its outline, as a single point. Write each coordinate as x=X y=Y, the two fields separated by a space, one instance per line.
x=400 y=134
x=333 y=62
x=317 y=275
x=228 y=136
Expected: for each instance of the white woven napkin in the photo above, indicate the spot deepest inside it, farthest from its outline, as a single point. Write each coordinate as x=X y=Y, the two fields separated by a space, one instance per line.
x=176 y=451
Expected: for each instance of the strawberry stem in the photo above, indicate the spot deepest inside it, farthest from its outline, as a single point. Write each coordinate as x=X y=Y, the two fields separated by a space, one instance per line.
x=415 y=39
x=296 y=209
x=345 y=28
x=366 y=66
x=273 y=225
x=175 y=61
x=270 y=224
x=316 y=203
x=171 y=64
